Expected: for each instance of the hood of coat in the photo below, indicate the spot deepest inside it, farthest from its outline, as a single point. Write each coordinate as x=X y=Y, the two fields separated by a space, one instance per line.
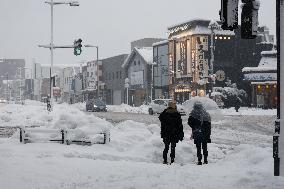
x=171 y=110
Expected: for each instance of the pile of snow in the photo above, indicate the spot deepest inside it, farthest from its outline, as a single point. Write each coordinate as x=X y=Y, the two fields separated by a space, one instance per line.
x=238 y=157
x=126 y=108
x=63 y=117
x=250 y=111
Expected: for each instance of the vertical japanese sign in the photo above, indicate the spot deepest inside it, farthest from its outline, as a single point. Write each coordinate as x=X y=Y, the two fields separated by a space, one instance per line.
x=201 y=61
x=183 y=66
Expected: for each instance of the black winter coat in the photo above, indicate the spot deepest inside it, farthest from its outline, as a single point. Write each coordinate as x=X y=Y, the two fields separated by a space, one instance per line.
x=171 y=125
x=201 y=131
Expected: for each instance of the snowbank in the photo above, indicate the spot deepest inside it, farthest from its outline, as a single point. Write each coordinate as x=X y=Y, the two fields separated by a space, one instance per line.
x=126 y=108
x=64 y=116
x=249 y=111
x=239 y=157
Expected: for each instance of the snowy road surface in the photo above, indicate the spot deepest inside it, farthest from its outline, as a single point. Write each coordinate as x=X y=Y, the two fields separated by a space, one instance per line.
x=240 y=155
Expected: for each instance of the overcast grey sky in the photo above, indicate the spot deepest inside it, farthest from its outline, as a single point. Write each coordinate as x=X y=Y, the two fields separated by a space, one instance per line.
x=110 y=24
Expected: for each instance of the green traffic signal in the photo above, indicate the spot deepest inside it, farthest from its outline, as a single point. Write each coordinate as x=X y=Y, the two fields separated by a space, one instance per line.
x=78 y=51
x=77 y=47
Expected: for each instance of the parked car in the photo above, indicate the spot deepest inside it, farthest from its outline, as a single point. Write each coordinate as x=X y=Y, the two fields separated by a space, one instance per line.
x=158 y=106
x=2 y=100
x=96 y=105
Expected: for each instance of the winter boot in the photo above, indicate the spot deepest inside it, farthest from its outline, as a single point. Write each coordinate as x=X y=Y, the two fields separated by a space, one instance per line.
x=205 y=160
x=165 y=160
x=205 y=157
x=199 y=162
x=172 y=160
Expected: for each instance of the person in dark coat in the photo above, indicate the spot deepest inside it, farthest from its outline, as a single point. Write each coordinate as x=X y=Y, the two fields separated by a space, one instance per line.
x=200 y=122
x=237 y=103
x=171 y=130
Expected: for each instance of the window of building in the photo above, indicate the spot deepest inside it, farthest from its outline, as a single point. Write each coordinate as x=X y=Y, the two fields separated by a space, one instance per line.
x=117 y=75
x=100 y=67
x=120 y=74
x=87 y=74
x=109 y=76
x=138 y=62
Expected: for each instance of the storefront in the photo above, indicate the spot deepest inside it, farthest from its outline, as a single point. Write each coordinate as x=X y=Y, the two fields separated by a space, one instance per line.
x=263 y=81
x=264 y=94
x=189 y=58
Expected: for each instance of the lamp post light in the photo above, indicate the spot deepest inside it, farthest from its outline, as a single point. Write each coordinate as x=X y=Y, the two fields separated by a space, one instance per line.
x=97 y=47
x=52 y=3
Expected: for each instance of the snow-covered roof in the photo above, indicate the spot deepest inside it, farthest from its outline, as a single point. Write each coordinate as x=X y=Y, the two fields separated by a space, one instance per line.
x=189 y=21
x=207 y=31
x=145 y=52
x=264 y=83
x=198 y=26
x=258 y=69
x=272 y=52
x=160 y=42
x=267 y=63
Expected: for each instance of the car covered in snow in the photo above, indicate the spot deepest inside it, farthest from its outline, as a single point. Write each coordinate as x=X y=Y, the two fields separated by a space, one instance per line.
x=158 y=106
x=96 y=105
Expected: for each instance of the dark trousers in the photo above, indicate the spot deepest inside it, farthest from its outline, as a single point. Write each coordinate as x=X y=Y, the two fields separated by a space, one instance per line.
x=204 y=147
x=167 y=146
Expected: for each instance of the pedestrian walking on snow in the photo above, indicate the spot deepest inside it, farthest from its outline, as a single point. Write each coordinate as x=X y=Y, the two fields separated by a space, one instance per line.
x=200 y=122
x=171 y=130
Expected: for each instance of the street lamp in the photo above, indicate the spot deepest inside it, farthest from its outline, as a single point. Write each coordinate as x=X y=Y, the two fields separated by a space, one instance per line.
x=97 y=47
x=52 y=3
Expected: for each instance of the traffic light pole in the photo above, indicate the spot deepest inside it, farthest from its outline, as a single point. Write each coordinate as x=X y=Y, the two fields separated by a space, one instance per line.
x=278 y=137
x=52 y=3
x=51 y=56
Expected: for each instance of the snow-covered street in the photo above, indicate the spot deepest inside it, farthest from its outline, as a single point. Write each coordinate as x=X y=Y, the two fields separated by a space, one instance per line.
x=240 y=155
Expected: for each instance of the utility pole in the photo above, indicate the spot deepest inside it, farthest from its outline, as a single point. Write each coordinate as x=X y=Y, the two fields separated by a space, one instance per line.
x=52 y=3
x=278 y=137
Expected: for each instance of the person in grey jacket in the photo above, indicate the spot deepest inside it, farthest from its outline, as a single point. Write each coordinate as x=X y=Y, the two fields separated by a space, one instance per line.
x=200 y=122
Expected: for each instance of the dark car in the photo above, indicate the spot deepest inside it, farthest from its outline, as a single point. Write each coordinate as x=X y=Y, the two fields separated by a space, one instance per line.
x=96 y=105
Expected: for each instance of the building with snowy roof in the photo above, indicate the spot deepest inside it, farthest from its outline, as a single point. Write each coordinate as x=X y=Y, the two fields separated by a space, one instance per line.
x=138 y=66
x=263 y=80
x=190 y=55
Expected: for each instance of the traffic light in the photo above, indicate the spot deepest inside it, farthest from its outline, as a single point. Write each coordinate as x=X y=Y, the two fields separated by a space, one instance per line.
x=249 y=19
x=229 y=14
x=77 y=47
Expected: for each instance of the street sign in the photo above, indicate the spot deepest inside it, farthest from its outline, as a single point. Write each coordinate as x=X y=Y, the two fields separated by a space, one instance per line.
x=220 y=75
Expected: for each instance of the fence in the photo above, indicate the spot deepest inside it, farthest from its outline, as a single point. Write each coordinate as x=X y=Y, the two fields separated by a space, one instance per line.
x=29 y=135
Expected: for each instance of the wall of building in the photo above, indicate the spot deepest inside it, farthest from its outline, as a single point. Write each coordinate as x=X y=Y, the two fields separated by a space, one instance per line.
x=161 y=70
x=113 y=77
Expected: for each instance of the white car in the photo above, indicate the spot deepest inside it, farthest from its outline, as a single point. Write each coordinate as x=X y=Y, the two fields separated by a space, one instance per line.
x=159 y=105
x=3 y=100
